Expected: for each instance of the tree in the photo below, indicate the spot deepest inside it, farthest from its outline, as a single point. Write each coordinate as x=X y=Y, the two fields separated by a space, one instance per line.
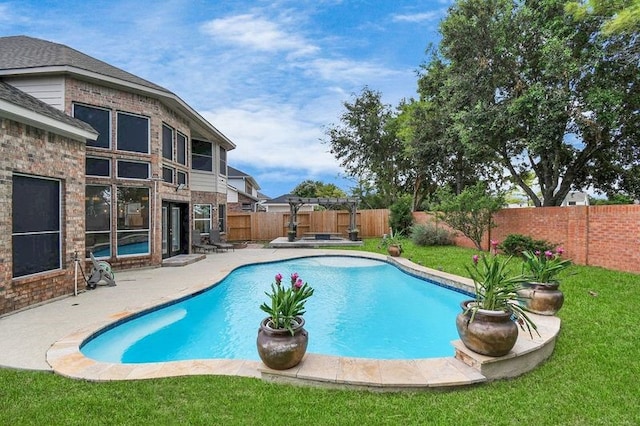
x=544 y=93
x=622 y=15
x=317 y=189
x=471 y=211
x=366 y=145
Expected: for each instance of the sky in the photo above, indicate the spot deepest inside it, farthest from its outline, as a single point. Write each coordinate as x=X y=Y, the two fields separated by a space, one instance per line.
x=272 y=76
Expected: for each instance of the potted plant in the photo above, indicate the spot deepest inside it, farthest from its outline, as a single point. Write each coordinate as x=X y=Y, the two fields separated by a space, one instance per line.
x=393 y=243
x=353 y=234
x=282 y=340
x=541 y=294
x=487 y=324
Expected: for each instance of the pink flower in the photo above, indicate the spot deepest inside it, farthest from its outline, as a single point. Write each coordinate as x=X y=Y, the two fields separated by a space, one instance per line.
x=494 y=243
x=537 y=252
x=559 y=251
x=278 y=278
x=298 y=285
x=549 y=254
x=475 y=259
x=294 y=278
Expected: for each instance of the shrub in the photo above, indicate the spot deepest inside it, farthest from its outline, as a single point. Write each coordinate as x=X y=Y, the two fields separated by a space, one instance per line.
x=515 y=244
x=471 y=211
x=400 y=215
x=430 y=235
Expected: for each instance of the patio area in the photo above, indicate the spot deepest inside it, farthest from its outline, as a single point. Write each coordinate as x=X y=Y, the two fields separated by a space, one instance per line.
x=48 y=337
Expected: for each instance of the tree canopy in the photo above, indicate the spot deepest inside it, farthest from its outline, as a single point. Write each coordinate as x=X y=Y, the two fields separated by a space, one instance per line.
x=542 y=94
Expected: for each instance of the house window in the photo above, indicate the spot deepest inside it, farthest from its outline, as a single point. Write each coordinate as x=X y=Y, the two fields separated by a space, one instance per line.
x=223 y=161
x=167 y=174
x=182 y=178
x=133 y=221
x=36 y=227
x=100 y=167
x=97 y=207
x=167 y=142
x=133 y=133
x=201 y=155
x=202 y=218
x=99 y=119
x=133 y=170
x=222 y=217
x=181 y=148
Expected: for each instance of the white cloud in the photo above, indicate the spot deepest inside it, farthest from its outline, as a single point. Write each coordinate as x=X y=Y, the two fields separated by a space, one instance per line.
x=273 y=137
x=417 y=17
x=258 y=33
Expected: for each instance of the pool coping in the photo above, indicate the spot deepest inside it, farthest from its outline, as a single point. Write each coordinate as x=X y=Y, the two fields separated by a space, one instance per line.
x=465 y=368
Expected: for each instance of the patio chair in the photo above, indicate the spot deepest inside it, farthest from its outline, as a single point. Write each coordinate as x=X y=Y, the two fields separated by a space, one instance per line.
x=198 y=245
x=214 y=238
x=101 y=271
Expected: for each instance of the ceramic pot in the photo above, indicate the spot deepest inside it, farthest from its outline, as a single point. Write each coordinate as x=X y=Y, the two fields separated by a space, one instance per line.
x=280 y=350
x=543 y=299
x=394 y=251
x=353 y=235
x=291 y=236
x=491 y=333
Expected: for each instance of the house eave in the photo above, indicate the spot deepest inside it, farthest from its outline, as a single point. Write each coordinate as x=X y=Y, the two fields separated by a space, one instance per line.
x=35 y=119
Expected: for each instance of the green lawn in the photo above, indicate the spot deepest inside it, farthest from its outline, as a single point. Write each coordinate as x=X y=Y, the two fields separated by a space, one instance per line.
x=592 y=378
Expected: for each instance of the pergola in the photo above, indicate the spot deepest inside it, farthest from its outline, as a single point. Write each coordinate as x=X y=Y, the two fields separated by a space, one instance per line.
x=296 y=202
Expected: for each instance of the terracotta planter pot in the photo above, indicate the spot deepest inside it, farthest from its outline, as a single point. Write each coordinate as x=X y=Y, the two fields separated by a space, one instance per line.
x=543 y=299
x=278 y=349
x=394 y=251
x=491 y=333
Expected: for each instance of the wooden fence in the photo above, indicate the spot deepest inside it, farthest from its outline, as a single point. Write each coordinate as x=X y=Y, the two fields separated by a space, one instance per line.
x=607 y=236
x=263 y=226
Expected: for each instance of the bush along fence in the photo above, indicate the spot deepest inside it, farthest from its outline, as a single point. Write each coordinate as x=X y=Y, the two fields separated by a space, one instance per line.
x=606 y=236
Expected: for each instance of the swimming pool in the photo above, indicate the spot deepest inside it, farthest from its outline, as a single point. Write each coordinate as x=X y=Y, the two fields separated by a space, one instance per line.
x=361 y=308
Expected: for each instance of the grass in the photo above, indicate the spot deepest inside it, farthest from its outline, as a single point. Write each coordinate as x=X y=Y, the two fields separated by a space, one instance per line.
x=591 y=379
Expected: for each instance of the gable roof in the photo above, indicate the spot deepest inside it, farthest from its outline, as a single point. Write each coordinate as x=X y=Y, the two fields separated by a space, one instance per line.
x=22 y=107
x=25 y=56
x=22 y=52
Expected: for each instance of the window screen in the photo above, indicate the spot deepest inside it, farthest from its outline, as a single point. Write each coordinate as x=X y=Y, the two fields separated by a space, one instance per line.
x=36 y=225
x=133 y=133
x=99 y=119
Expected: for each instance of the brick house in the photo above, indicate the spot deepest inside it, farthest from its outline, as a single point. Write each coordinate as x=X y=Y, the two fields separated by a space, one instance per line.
x=150 y=168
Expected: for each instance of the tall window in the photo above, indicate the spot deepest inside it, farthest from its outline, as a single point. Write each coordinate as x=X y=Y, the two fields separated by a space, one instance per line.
x=97 y=205
x=202 y=217
x=133 y=221
x=99 y=119
x=36 y=230
x=222 y=217
x=133 y=133
x=201 y=155
x=181 y=148
x=223 y=161
x=167 y=142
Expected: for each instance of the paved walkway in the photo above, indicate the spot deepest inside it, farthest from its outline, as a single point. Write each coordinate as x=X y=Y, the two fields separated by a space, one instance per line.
x=27 y=335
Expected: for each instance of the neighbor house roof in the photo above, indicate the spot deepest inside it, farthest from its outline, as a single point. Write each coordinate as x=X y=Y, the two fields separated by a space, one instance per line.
x=234 y=173
x=26 y=56
x=24 y=108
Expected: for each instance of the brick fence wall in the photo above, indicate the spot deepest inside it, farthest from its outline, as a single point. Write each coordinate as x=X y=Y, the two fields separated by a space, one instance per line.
x=607 y=236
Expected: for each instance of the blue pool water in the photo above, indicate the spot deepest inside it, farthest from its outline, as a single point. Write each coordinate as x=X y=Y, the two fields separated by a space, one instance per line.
x=361 y=308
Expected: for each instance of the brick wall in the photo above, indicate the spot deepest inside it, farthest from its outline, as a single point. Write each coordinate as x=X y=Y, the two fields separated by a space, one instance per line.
x=31 y=151
x=158 y=113
x=607 y=236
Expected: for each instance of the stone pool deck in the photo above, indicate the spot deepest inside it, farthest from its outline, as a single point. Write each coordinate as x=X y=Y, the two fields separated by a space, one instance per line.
x=48 y=337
